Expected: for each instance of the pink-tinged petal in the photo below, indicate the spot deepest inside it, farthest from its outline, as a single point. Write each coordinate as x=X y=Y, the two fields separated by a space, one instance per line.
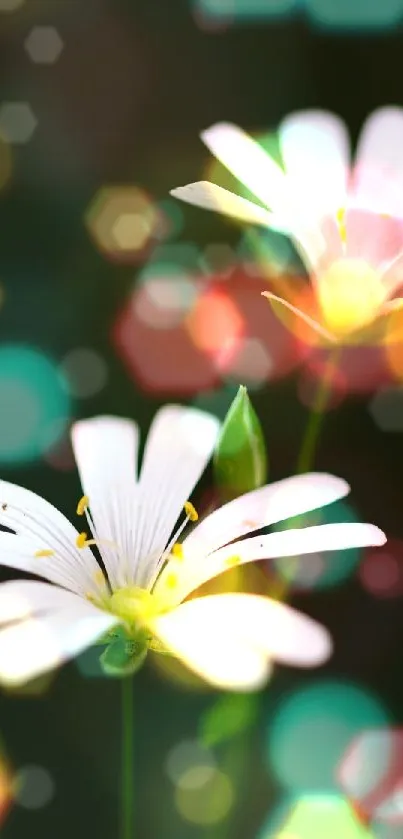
x=106 y=450
x=378 y=173
x=43 y=642
x=211 y=197
x=194 y=571
x=285 y=635
x=335 y=247
x=248 y=161
x=316 y=153
x=206 y=634
x=373 y=237
x=313 y=324
x=179 y=445
x=263 y=507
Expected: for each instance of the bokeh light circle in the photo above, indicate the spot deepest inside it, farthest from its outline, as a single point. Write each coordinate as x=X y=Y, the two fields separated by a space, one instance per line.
x=34 y=787
x=204 y=797
x=84 y=371
x=309 y=734
x=216 y=325
x=381 y=571
x=35 y=407
x=123 y=222
x=188 y=754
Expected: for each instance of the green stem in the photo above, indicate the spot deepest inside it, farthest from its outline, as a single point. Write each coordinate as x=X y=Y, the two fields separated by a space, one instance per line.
x=305 y=462
x=127 y=758
x=307 y=452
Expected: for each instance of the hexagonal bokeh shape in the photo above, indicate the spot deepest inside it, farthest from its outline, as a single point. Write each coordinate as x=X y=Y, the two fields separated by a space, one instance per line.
x=44 y=44
x=316 y=815
x=206 y=330
x=17 y=122
x=122 y=221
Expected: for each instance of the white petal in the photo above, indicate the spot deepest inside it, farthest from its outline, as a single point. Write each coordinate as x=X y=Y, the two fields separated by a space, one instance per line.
x=212 y=197
x=254 y=167
x=250 y=164
x=208 y=638
x=262 y=507
x=192 y=572
x=313 y=324
x=39 y=644
x=19 y=553
x=282 y=633
x=378 y=175
x=21 y=599
x=106 y=451
x=315 y=149
x=179 y=445
x=42 y=527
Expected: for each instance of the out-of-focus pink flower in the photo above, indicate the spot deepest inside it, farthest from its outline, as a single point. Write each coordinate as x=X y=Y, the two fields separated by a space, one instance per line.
x=345 y=220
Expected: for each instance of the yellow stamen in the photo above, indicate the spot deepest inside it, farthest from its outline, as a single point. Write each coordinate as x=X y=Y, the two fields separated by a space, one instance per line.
x=231 y=561
x=177 y=550
x=341 y=220
x=99 y=577
x=81 y=540
x=44 y=553
x=171 y=580
x=82 y=505
x=91 y=597
x=190 y=511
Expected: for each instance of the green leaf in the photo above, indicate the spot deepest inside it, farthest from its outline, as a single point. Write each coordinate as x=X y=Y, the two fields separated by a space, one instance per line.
x=124 y=656
x=240 y=458
x=230 y=715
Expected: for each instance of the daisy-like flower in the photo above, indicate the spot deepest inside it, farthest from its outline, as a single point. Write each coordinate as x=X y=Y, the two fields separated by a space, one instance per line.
x=229 y=639
x=346 y=222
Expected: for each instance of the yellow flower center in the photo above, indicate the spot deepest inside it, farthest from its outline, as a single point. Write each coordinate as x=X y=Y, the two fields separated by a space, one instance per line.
x=350 y=296
x=136 y=605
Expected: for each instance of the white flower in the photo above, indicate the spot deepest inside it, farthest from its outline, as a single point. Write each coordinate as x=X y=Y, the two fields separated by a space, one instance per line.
x=229 y=639
x=346 y=223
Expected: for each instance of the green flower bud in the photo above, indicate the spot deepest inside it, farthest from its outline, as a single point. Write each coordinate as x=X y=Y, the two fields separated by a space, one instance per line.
x=240 y=458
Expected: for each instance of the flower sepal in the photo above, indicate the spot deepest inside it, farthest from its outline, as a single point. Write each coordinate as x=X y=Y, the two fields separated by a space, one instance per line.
x=108 y=637
x=125 y=654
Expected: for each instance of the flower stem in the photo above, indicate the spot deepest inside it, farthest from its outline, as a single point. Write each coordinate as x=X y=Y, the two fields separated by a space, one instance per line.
x=127 y=777
x=309 y=443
